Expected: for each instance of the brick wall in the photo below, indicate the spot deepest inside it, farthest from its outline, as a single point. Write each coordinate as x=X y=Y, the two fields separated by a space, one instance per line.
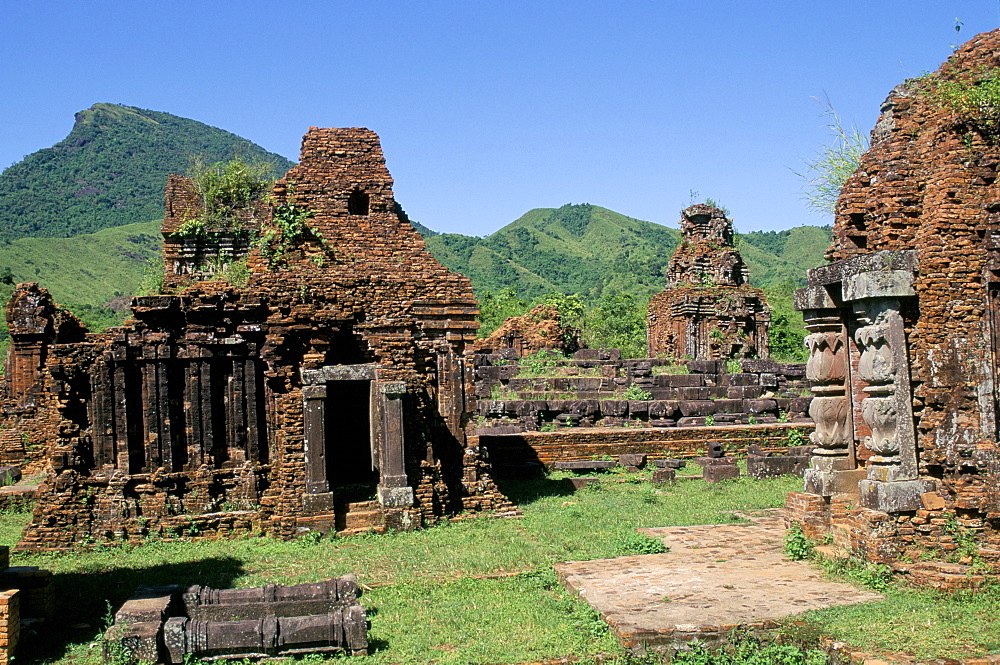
x=510 y=452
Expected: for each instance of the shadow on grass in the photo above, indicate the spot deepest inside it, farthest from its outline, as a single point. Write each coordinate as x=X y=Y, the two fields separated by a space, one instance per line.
x=523 y=491
x=86 y=600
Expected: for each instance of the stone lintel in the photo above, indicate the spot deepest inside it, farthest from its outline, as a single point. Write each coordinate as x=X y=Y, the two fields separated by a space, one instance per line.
x=364 y=372
x=880 y=284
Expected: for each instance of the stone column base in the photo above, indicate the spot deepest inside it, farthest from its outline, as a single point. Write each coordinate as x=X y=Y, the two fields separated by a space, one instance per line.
x=395 y=497
x=317 y=503
x=831 y=483
x=895 y=496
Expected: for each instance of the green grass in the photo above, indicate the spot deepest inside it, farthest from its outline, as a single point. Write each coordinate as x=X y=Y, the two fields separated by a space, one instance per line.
x=428 y=592
x=926 y=624
x=482 y=590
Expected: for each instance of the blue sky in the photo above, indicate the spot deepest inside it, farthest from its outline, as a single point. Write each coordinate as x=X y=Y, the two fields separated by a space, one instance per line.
x=489 y=109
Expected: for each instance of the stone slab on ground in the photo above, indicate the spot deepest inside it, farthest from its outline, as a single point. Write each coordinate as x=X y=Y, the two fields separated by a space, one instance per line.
x=714 y=578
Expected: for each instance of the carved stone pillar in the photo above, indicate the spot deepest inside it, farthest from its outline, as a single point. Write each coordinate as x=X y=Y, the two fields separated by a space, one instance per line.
x=833 y=466
x=886 y=407
x=393 y=489
x=318 y=496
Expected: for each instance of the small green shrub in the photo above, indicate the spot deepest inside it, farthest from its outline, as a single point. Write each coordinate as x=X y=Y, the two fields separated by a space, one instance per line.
x=734 y=366
x=236 y=273
x=289 y=226
x=709 y=420
x=633 y=542
x=540 y=362
x=975 y=101
x=636 y=394
x=226 y=189
x=745 y=648
x=797 y=546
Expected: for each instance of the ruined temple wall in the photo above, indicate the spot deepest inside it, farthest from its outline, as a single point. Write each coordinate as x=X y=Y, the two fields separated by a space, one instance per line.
x=914 y=293
x=708 y=323
x=708 y=311
x=191 y=419
x=928 y=182
x=363 y=268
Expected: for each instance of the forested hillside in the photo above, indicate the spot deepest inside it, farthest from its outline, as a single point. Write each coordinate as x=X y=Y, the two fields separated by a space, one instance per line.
x=110 y=170
x=582 y=249
x=591 y=251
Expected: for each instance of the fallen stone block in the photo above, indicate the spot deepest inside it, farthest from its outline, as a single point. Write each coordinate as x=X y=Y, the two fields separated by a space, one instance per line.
x=718 y=472
x=633 y=461
x=714 y=461
x=671 y=463
x=584 y=481
x=661 y=476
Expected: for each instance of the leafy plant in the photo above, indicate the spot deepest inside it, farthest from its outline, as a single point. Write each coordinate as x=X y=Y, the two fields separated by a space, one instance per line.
x=228 y=191
x=540 y=362
x=797 y=547
x=236 y=273
x=710 y=420
x=288 y=227
x=733 y=366
x=975 y=100
x=636 y=394
x=633 y=542
x=153 y=274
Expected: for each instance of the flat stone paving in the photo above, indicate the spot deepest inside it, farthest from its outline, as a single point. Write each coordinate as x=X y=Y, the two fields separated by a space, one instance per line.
x=714 y=578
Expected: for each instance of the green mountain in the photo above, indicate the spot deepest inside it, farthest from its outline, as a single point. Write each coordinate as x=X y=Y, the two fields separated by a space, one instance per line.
x=591 y=251
x=85 y=273
x=581 y=249
x=110 y=171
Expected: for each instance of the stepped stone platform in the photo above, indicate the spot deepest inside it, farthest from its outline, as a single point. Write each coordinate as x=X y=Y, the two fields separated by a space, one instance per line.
x=713 y=579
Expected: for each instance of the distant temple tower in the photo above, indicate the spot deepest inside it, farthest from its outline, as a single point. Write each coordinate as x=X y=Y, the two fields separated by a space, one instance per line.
x=708 y=310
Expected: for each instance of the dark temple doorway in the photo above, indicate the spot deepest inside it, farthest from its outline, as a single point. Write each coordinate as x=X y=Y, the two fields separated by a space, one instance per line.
x=349 y=464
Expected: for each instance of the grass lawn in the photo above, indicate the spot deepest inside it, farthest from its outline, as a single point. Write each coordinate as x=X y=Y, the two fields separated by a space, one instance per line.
x=480 y=590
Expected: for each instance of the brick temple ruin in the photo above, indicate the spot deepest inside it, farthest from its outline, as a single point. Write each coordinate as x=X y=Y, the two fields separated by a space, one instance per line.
x=904 y=335
x=326 y=390
x=708 y=310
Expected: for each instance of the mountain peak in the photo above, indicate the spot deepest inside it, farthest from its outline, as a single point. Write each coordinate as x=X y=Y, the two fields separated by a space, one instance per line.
x=110 y=170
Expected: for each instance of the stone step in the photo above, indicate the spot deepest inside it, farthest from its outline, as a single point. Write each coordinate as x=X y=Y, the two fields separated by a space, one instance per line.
x=363 y=519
